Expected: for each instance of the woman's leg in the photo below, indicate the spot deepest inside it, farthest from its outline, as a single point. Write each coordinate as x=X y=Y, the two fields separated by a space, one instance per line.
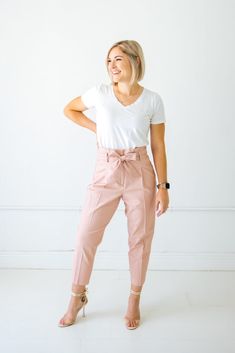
x=102 y=199
x=100 y=206
x=139 y=197
x=140 y=211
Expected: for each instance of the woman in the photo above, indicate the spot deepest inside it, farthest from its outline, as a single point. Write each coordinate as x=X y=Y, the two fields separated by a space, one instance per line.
x=125 y=113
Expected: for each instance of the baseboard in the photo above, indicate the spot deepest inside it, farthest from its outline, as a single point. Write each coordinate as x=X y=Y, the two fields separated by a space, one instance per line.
x=119 y=260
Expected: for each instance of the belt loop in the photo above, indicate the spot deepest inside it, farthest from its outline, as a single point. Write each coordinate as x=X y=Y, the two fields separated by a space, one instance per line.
x=107 y=157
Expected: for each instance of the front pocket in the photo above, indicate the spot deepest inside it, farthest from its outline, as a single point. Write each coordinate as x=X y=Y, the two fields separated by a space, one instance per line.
x=100 y=172
x=147 y=164
x=148 y=175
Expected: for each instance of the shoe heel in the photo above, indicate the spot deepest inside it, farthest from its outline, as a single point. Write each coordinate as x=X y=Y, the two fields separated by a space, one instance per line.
x=83 y=311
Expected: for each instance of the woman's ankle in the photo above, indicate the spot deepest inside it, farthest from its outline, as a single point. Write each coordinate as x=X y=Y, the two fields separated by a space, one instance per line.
x=136 y=288
x=77 y=288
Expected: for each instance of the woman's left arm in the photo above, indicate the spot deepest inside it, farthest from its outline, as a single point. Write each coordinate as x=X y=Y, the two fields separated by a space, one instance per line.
x=157 y=133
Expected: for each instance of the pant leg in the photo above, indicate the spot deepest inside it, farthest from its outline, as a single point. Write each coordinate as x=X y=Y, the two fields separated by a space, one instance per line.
x=139 y=197
x=102 y=199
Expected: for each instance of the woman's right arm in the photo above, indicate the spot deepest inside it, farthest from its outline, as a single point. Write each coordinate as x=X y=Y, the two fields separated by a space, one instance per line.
x=73 y=111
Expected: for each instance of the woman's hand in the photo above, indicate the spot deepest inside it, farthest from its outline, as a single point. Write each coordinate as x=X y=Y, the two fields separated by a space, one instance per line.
x=162 y=201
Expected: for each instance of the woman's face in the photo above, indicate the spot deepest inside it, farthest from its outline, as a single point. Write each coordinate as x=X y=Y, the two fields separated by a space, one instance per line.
x=119 y=65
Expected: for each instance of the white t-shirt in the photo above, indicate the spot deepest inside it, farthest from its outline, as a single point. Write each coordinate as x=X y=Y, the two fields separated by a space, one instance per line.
x=119 y=126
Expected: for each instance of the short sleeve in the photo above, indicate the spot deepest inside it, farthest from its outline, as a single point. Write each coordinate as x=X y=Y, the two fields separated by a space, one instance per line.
x=158 y=115
x=89 y=97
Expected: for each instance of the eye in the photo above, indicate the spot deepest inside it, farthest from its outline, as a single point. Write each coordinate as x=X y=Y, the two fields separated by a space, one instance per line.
x=116 y=59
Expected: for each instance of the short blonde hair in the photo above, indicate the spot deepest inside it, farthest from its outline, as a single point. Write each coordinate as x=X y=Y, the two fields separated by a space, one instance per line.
x=133 y=50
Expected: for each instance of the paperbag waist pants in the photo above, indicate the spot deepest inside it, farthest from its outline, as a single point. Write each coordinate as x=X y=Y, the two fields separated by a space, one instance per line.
x=125 y=174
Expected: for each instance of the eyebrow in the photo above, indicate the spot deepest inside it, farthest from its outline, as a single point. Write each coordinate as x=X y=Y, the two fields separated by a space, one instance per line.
x=117 y=56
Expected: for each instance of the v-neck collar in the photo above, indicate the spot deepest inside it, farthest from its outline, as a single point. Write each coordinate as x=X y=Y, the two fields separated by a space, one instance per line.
x=129 y=105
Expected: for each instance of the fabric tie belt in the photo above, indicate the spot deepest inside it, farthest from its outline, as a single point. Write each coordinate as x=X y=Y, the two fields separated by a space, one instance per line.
x=118 y=159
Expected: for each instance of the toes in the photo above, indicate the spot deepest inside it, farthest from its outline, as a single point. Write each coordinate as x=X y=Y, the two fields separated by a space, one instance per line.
x=131 y=324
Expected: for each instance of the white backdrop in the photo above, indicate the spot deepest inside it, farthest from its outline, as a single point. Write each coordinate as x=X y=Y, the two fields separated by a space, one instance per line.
x=51 y=52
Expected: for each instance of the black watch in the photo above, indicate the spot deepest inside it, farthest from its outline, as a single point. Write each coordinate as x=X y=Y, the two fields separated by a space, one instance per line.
x=163 y=186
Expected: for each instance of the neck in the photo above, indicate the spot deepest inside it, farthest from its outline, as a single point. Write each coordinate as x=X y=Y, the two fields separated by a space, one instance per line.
x=126 y=89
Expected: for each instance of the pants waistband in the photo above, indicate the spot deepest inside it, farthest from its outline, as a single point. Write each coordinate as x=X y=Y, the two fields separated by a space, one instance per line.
x=132 y=153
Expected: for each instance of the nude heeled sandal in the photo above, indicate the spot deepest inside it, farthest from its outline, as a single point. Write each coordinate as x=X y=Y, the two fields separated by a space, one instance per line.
x=84 y=301
x=127 y=319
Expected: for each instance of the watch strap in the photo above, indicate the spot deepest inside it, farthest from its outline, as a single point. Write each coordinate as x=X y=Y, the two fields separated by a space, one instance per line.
x=164 y=185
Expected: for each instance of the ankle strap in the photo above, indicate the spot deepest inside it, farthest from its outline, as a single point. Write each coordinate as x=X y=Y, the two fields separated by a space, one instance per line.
x=79 y=294
x=134 y=292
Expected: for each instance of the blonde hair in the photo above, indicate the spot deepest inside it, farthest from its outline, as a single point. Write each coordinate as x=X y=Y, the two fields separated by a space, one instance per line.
x=133 y=50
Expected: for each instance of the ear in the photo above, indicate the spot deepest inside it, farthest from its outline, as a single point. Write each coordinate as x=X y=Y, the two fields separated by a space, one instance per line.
x=138 y=60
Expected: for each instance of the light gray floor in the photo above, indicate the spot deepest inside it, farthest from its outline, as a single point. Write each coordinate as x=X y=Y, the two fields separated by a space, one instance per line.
x=181 y=312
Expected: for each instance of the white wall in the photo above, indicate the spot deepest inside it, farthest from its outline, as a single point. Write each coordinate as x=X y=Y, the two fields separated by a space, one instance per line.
x=51 y=52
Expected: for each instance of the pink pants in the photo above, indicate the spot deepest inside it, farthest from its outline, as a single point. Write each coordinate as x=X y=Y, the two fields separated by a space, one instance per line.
x=126 y=174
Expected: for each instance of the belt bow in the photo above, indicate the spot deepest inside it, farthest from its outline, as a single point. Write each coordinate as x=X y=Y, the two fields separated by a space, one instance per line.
x=122 y=158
